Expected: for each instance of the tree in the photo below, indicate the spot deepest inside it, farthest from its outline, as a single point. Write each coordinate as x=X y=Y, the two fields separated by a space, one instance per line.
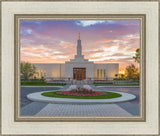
x=27 y=70
x=116 y=75
x=132 y=72
x=121 y=76
x=137 y=56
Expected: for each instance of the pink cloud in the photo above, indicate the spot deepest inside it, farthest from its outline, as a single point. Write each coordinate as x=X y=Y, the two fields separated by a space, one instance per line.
x=56 y=43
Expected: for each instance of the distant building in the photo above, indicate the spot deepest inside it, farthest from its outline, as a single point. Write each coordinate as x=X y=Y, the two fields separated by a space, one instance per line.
x=77 y=68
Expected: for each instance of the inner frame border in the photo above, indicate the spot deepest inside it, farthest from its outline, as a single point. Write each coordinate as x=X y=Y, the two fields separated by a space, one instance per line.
x=19 y=17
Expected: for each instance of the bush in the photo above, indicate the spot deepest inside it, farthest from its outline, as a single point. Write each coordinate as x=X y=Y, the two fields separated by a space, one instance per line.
x=103 y=83
x=34 y=79
x=119 y=79
x=40 y=83
x=33 y=83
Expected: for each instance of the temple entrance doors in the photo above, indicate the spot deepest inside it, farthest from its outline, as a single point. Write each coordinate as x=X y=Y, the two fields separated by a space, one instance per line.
x=79 y=73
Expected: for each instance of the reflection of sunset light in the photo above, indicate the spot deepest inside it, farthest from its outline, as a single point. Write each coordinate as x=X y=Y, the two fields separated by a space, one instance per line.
x=121 y=71
x=111 y=49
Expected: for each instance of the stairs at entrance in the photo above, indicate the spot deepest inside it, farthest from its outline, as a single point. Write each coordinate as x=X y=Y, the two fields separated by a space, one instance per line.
x=81 y=82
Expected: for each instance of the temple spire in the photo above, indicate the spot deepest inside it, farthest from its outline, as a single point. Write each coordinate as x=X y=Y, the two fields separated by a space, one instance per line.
x=79 y=35
x=79 y=47
x=79 y=57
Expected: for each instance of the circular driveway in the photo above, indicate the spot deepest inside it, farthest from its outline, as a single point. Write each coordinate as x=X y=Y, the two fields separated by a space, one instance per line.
x=25 y=90
x=38 y=97
x=32 y=108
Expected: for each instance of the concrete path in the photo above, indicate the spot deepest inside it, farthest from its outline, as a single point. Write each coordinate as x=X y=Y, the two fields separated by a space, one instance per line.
x=32 y=108
x=83 y=110
x=47 y=109
x=40 y=98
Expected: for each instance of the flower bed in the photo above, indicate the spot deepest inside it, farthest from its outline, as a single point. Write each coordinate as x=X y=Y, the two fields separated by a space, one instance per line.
x=94 y=93
x=82 y=92
x=57 y=94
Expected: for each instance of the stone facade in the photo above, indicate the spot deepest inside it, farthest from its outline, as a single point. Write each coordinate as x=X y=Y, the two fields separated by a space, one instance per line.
x=93 y=70
x=106 y=70
x=53 y=70
x=88 y=65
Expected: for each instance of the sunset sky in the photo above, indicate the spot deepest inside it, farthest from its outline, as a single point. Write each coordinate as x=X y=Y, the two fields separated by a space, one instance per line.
x=103 y=41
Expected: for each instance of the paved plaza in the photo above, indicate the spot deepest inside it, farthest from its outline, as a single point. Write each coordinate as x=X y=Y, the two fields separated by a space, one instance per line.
x=31 y=108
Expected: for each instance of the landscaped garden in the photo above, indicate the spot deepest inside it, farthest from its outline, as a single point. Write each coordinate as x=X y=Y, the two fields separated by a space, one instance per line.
x=40 y=83
x=118 y=82
x=111 y=84
x=82 y=93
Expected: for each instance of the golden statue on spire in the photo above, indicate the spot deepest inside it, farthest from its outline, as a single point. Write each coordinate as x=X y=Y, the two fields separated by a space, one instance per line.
x=79 y=35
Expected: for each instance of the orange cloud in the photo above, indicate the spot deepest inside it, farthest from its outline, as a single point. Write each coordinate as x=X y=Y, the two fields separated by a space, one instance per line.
x=55 y=42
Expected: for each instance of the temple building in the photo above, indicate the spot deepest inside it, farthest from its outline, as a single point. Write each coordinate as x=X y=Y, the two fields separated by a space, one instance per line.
x=78 y=68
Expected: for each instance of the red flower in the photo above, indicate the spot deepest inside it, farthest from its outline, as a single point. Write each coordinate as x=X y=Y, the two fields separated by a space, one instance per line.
x=82 y=93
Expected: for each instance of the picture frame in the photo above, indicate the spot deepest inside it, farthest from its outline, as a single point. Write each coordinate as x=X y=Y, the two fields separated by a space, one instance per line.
x=11 y=120
x=19 y=17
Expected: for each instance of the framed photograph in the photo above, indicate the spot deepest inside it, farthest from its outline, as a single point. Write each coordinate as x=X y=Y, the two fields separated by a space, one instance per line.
x=80 y=82
x=80 y=68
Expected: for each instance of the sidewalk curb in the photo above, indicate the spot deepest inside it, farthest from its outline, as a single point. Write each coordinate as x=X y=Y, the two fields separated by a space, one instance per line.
x=43 y=86
x=117 y=86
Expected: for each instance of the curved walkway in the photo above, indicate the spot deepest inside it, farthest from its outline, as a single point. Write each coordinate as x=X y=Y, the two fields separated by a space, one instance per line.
x=38 y=97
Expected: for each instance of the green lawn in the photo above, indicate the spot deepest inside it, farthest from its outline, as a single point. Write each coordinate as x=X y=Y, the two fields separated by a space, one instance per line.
x=110 y=96
x=40 y=83
x=116 y=85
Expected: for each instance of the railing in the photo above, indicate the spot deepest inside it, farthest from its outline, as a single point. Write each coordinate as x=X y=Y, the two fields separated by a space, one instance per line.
x=69 y=78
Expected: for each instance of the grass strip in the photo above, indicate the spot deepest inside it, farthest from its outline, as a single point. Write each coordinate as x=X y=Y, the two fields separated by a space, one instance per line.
x=116 y=85
x=110 y=96
x=40 y=83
